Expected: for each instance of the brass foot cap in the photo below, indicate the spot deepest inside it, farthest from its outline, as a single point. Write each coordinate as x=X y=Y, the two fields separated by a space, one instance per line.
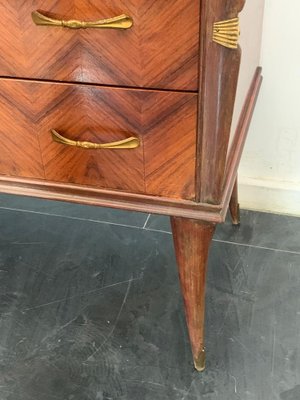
x=199 y=368
x=200 y=362
x=236 y=223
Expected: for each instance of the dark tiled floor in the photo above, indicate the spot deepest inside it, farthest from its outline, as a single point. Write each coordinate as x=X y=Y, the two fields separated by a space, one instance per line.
x=92 y=310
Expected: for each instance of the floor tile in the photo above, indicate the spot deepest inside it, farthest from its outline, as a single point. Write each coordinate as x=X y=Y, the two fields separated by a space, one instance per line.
x=159 y=223
x=93 y=311
x=256 y=229
x=73 y=210
x=263 y=229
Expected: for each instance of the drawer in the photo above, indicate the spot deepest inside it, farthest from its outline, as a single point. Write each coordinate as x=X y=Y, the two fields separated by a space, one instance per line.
x=160 y=50
x=44 y=124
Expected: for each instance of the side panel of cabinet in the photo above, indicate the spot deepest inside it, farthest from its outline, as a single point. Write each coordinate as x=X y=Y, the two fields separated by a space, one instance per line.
x=251 y=19
x=219 y=73
x=219 y=77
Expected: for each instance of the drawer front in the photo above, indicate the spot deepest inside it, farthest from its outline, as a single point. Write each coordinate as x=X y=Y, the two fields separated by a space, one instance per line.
x=20 y=154
x=161 y=124
x=160 y=50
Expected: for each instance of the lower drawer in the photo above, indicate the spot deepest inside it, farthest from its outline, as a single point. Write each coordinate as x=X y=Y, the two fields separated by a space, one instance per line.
x=56 y=132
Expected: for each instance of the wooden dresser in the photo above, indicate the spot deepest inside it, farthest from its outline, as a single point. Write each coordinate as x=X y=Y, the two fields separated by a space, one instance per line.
x=139 y=105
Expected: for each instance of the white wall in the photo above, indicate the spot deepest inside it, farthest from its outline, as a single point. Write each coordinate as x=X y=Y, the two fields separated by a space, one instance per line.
x=269 y=174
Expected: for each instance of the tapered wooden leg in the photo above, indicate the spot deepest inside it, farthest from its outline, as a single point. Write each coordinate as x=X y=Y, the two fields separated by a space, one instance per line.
x=192 y=240
x=234 y=206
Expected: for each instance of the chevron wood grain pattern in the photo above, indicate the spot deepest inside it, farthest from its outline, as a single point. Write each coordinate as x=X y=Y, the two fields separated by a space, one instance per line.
x=99 y=114
x=170 y=145
x=19 y=145
x=95 y=115
x=159 y=51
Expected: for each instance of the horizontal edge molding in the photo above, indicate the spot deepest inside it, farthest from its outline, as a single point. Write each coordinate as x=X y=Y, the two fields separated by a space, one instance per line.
x=109 y=198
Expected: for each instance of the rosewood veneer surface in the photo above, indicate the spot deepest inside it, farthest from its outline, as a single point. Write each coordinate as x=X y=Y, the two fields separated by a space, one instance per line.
x=159 y=51
x=29 y=110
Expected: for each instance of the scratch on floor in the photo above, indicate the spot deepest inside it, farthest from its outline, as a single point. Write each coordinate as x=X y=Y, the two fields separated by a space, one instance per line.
x=235 y=383
x=55 y=332
x=221 y=329
x=27 y=243
x=188 y=391
x=273 y=357
x=155 y=384
x=246 y=348
x=80 y=295
x=115 y=323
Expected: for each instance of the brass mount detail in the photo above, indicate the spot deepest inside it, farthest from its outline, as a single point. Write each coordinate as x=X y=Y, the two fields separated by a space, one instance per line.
x=226 y=33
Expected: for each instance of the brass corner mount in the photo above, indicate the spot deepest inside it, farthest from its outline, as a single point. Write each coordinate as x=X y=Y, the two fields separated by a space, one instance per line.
x=226 y=33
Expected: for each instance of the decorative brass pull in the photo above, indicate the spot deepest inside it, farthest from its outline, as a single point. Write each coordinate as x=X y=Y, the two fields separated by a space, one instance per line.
x=121 y=22
x=129 y=143
x=226 y=33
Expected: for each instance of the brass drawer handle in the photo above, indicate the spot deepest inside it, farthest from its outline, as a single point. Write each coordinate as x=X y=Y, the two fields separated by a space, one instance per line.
x=129 y=143
x=121 y=22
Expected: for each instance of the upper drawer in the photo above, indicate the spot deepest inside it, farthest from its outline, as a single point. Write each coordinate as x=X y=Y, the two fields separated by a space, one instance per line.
x=160 y=50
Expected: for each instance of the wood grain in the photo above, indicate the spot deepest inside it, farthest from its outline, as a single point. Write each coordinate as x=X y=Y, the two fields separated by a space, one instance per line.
x=170 y=144
x=90 y=113
x=192 y=240
x=239 y=140
x=234 y=206
x=218 y=87
x=159 y=51
x=20 y=154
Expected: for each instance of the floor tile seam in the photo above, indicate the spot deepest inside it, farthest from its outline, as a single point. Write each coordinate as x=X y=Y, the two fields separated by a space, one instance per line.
x=145 y=229
x=256 y=246
x=146 y=222
x=88 y=220
x=72 y=217
x=235 y=243
x=158 y=231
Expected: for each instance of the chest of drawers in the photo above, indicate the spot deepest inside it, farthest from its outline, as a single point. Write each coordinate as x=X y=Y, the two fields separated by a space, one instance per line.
x=136 y=105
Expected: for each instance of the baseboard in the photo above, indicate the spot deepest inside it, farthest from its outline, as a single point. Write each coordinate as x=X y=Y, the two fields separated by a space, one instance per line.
x=269 y=195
